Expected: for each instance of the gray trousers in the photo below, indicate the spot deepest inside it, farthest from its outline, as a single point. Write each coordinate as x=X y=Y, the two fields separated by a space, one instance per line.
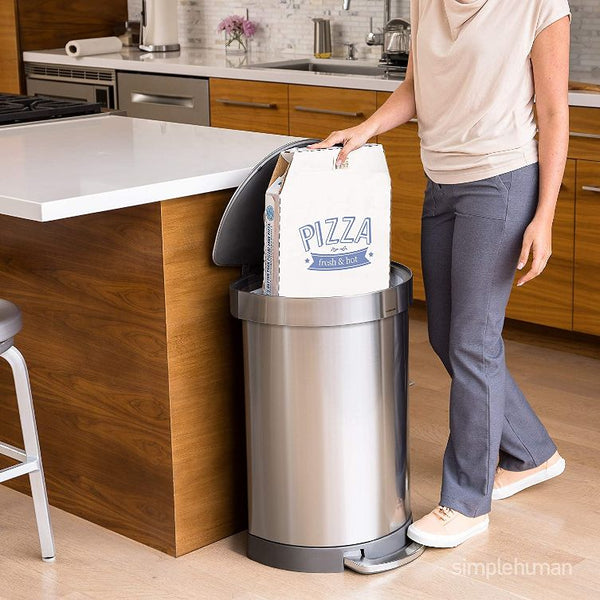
x=471 y=240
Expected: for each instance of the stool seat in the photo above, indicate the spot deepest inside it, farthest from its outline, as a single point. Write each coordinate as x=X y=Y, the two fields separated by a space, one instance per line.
x=10 y=320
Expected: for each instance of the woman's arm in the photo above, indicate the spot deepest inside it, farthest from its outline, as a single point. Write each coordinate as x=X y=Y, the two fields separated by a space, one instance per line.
x=397 y=109
x=550 y=60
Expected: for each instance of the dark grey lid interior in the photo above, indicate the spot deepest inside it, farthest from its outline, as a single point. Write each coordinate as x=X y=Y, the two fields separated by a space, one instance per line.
x=240 y=237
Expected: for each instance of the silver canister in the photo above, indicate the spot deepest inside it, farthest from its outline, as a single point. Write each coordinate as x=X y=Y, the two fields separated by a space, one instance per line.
x=322 y=38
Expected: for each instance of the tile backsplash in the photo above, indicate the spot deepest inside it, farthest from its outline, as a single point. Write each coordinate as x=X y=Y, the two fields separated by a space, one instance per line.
x=286 y=27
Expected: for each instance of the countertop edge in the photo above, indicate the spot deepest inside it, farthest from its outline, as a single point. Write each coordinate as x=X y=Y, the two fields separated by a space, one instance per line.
x=66 y=208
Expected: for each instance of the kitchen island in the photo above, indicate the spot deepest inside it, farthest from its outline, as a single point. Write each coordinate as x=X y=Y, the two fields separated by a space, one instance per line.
x=107 y=225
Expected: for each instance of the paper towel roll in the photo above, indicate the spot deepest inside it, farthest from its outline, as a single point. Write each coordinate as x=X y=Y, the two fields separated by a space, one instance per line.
x=89 y=47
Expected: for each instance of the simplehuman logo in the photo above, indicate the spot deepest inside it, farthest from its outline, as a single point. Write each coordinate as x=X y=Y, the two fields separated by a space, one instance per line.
x=337 y=238
x=514 y=567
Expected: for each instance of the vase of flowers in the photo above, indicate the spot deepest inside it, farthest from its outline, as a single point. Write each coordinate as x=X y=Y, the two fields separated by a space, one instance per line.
x=238 y=30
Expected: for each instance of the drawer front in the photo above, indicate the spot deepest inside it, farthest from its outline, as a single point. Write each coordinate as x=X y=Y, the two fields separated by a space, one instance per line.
x=164 y=97
x=317 y=111
x=547 y=299
x=249 y=105
x=586 y=316
x=584 y=133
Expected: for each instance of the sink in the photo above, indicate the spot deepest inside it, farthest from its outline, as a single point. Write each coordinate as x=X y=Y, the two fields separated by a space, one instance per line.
x=324 y=66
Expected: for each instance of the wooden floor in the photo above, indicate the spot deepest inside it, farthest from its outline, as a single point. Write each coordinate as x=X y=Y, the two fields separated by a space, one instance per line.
x=543 y=543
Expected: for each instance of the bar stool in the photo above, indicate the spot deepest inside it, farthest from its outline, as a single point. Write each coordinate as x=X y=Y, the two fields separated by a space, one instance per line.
x=30 y=461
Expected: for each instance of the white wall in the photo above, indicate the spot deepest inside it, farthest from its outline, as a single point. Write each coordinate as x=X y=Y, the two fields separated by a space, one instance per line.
x=285 y=25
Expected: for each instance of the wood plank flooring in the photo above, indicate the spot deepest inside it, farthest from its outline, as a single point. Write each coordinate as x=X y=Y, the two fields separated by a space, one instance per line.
x=553 y=527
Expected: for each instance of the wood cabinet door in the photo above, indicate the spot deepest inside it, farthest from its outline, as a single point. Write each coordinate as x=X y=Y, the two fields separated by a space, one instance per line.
x=586 y=315
x=10 y=77
x=317 y=111
x=548 y=299
x=249 y=105
x=401 y=147
x=584 y=133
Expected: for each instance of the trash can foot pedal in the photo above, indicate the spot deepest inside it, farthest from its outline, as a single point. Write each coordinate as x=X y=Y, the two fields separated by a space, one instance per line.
x=367 y=566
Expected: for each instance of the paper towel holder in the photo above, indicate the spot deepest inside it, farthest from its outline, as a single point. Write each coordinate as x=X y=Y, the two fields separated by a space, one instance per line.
x=158 y=32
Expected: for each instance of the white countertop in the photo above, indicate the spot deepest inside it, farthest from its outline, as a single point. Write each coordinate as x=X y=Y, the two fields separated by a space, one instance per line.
x=64 y=168
x=208 y=62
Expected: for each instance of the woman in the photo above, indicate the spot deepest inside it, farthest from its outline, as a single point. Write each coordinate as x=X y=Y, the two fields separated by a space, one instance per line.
x=489 y=204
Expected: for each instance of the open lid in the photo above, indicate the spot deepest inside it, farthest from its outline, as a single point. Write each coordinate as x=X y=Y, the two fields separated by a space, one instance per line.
x=240 y=236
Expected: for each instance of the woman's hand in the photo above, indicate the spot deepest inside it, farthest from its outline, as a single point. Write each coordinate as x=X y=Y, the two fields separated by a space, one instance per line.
x=537 y=240
x=351 y=139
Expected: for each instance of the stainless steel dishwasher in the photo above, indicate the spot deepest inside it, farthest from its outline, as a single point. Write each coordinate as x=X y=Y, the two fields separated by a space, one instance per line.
x=164 y=97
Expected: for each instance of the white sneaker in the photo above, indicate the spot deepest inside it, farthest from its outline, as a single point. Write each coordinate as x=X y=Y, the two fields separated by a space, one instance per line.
x=445 y=527
x=508 y=483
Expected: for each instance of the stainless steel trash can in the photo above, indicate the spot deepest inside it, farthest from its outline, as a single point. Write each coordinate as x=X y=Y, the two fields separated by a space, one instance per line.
x=326 y=410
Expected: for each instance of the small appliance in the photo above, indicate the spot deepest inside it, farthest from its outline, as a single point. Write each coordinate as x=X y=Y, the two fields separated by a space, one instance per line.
x=322 y=38
x=159 y=26
x=396 y=46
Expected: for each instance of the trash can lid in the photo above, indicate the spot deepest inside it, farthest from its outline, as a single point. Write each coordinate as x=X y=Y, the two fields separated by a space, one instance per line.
x=240 y=236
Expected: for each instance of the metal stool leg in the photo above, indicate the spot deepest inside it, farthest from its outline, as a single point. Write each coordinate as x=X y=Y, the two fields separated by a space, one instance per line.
x=32 y=449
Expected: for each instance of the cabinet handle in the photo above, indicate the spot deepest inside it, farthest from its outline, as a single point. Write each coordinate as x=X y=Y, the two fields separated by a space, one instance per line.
x=590 y=188
x=326 y=111
x=413 y=120
x=578 y=134
x=141 y=98
x=229 y=102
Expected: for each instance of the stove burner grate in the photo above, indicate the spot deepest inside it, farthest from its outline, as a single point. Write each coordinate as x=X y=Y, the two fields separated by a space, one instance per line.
x=23 y=109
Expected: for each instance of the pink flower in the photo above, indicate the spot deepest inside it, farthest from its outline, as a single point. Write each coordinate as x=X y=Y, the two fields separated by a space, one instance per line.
x=235 y=25
x=249 y=28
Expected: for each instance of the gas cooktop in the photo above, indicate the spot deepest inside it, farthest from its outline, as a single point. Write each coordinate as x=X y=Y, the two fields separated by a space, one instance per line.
x=23 y=109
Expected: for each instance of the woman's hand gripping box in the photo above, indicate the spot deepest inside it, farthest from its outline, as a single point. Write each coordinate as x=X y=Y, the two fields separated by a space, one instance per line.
x=327 y=229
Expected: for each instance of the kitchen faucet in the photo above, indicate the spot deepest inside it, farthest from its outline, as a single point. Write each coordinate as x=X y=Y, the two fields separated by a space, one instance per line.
x=376 y=39
x=346 y=5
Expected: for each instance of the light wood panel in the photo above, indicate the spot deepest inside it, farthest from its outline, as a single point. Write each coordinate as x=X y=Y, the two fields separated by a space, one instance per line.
x=345 y=108
x=408 y=186
x=584 y=120
x=52 y=23
x=136 y=369
x=10 y=78
x=548 y=299
x=249 y=105
x=205 y=376
x=586 y=315
x=91 y=292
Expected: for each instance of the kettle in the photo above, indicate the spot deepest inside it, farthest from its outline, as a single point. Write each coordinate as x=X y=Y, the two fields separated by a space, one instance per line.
x=396 y=37
x=159 y=26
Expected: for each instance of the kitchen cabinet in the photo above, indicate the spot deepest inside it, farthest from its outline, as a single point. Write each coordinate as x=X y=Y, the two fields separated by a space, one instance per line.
x=548 y=299
x=401 y=147
x=249 y=105
x=564 y=296
x=317 y=111
x=133 y=353
x=586 y=297
x=10 y=78
x=38 y=24
x=584 y=145
x=584 y=136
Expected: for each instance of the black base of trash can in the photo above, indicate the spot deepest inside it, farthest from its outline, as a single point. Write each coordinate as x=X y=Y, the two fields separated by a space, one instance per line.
x=382 y=554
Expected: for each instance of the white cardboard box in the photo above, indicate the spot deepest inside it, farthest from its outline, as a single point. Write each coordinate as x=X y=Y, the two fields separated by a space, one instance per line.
x=327 y=229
